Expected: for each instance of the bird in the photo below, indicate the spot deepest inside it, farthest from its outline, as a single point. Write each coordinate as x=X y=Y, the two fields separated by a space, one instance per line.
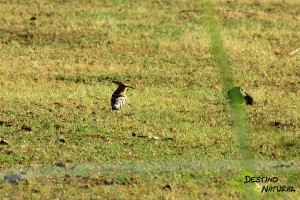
x=118 y=98
x=238 y=95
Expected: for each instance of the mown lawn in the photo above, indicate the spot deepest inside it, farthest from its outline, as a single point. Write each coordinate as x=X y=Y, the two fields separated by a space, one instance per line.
x=58 y=59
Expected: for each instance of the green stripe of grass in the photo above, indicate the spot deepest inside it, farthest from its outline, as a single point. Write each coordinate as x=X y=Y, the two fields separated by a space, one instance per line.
x=226 y=73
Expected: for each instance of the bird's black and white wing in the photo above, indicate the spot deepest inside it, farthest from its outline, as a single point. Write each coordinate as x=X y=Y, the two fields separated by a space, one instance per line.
x=117 y=101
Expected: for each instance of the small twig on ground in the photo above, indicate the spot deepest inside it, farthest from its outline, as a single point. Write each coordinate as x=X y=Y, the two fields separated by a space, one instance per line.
x=184 y=11
x=292 y=53
x=265 y=73
x=239 y=11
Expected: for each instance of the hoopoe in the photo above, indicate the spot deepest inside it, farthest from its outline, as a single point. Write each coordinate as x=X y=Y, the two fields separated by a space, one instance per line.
x=118 y=98
x=238 y=95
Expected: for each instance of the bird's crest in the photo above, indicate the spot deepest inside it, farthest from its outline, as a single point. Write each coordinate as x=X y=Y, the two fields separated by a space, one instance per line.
x=122 y=85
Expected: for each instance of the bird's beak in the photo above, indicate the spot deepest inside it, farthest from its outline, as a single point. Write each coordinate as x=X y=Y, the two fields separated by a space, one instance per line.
x=130 y=87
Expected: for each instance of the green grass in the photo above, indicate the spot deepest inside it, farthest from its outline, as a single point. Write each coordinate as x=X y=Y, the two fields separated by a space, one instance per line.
x=55 y=77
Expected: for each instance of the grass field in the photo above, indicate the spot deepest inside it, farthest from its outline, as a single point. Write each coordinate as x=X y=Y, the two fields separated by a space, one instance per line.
x=58 y=59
